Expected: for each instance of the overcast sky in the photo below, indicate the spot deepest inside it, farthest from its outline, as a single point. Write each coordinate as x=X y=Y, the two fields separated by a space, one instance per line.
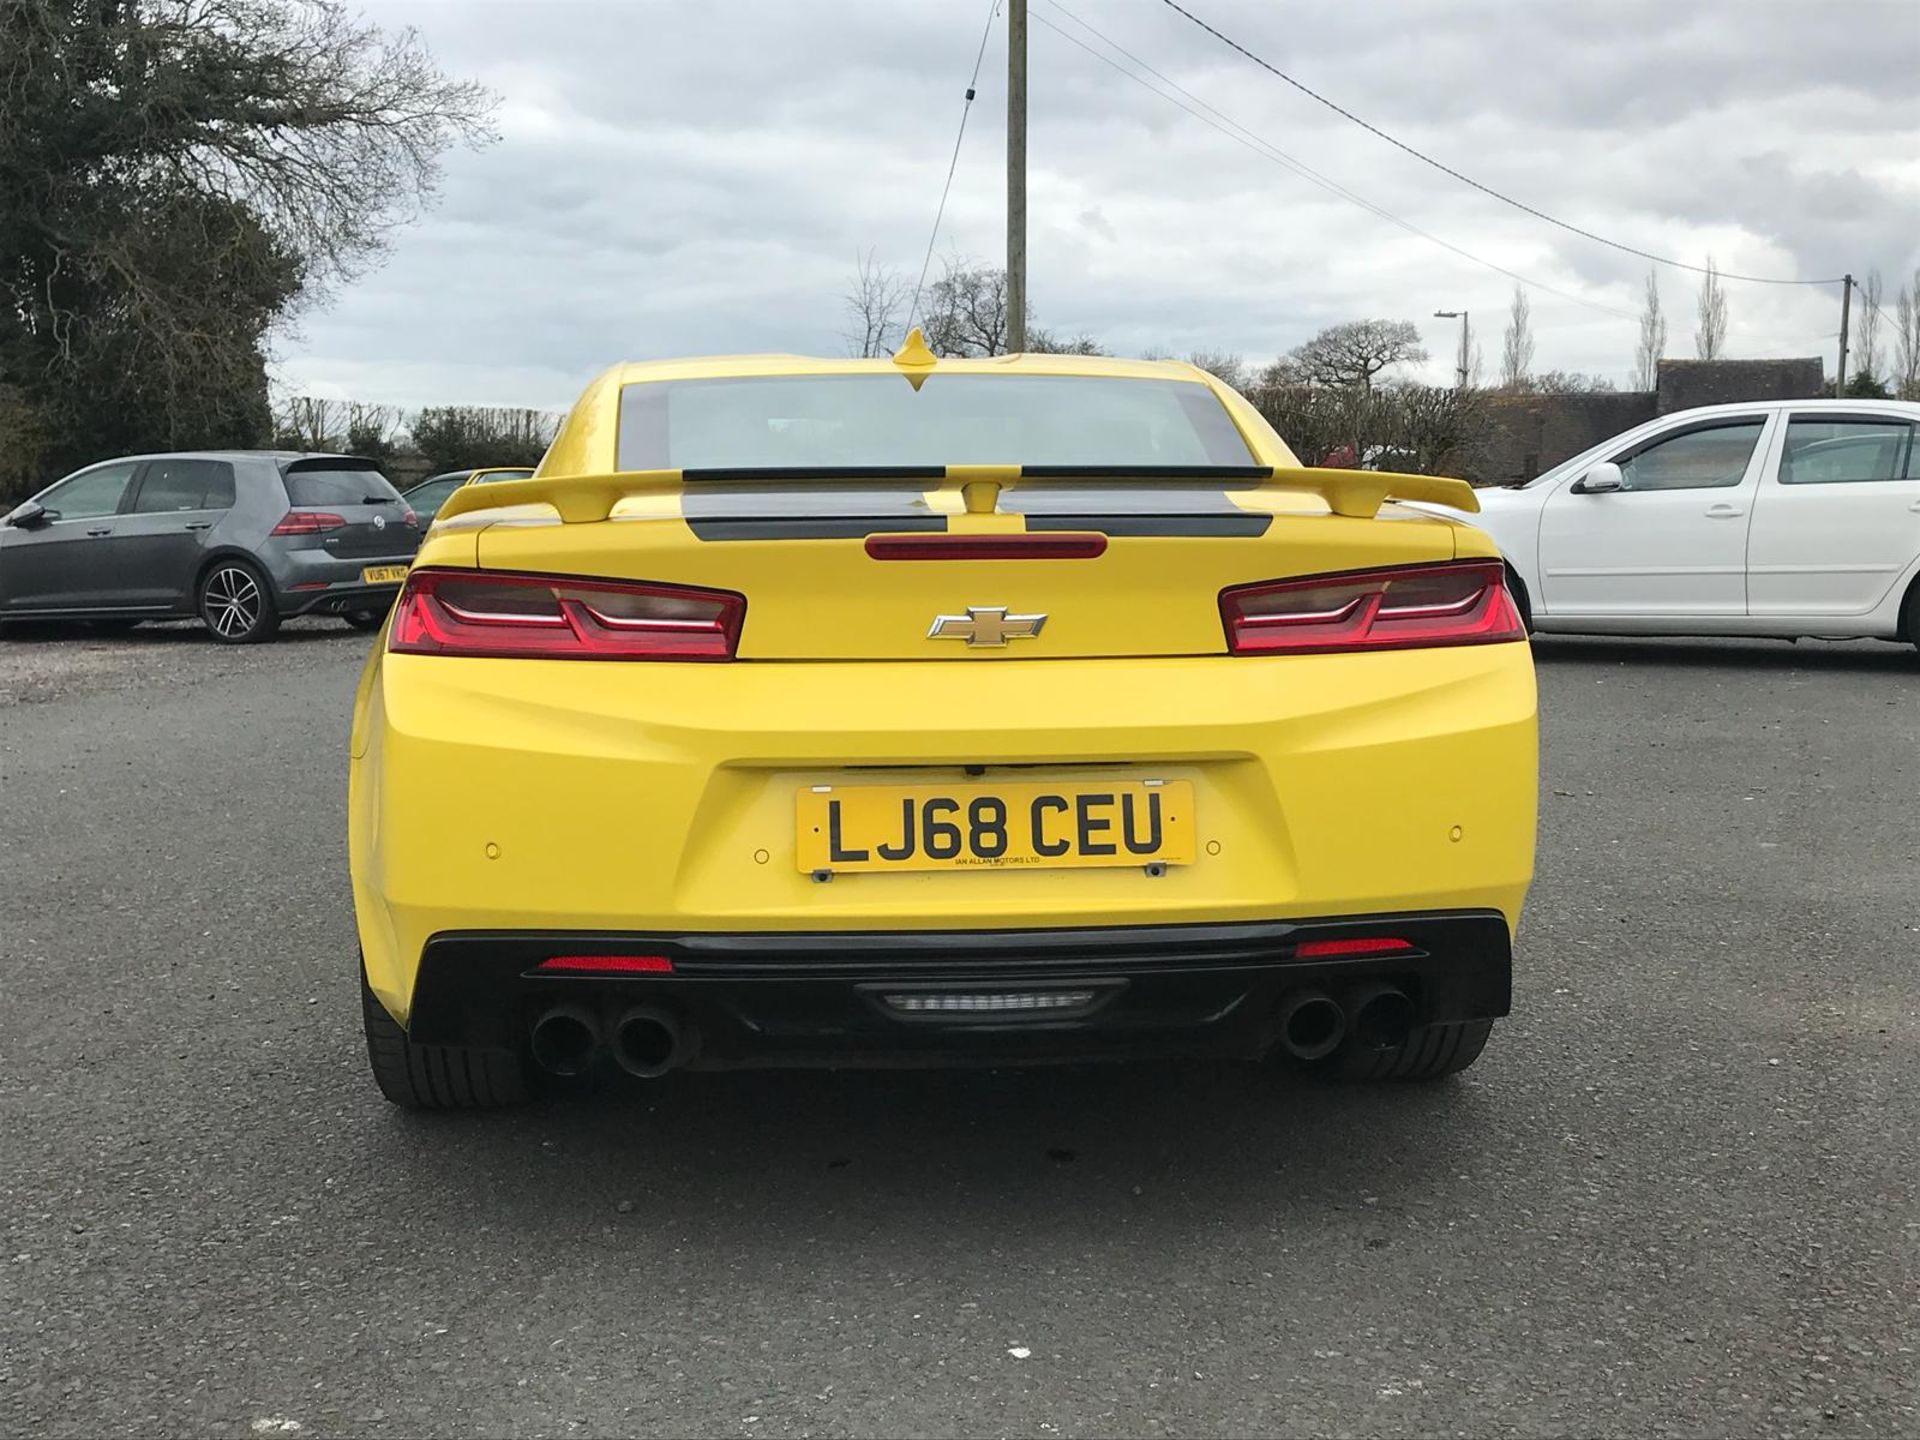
x=698 y=176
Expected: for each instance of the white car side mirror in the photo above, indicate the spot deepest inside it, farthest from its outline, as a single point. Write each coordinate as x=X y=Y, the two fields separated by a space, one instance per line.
x=1602 y=479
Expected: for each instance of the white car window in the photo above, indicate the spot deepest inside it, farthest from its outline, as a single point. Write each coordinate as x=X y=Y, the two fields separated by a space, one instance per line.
x=1702 y=459
x=1833 y=452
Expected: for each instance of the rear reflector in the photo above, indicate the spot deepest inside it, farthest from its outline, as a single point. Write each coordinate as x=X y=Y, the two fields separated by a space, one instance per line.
x=555 y=617
x=607 y=965
x=1321 y=949
x=308 y=522
x=986 y=547
x=1457 y=603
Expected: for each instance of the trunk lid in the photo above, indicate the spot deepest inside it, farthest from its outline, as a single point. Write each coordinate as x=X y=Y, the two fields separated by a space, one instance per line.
x=798 y=551
x=373 y=514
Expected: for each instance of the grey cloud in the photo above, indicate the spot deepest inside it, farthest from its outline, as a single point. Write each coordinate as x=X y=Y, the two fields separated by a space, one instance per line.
x=696 y=178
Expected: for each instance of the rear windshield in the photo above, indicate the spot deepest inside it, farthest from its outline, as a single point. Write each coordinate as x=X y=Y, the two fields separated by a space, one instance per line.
x=799 y=421
x=339 y=487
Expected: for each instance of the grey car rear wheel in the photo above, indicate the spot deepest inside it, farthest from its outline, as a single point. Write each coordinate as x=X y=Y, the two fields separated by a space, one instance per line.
x=235 y=604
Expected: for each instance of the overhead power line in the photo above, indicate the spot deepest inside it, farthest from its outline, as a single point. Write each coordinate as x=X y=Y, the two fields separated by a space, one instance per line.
x=1488 y=190
x=1208 y=115
x=973 y=84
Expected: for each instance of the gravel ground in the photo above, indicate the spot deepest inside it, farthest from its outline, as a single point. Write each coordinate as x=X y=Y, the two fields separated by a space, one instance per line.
x=1676 y=1197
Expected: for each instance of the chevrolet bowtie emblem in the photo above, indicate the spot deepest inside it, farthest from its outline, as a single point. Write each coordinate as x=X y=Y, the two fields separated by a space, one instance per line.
x=986 y=625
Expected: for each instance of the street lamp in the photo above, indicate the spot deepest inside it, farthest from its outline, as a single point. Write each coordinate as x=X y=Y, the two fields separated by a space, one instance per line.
x=1460 y=370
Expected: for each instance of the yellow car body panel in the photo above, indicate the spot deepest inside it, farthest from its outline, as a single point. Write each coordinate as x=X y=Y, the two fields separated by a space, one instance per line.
x=644 y=797
x=516 y=796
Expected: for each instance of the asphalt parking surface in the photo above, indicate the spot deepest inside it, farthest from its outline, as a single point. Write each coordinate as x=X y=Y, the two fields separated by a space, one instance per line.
x=1676 y=1196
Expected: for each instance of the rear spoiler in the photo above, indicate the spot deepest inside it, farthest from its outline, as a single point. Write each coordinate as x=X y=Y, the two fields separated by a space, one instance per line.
x=582 y=499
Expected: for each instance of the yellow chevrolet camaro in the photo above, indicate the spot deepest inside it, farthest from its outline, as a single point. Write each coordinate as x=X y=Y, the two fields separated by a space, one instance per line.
x=803 y=712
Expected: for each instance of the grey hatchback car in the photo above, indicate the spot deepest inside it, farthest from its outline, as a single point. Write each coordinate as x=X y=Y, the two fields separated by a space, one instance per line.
x=241 y=538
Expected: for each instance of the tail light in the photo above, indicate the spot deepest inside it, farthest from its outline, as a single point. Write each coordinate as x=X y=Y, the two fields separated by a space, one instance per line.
x=410 y=519
x=308 y=522
x=1447 y=604
x=555 y=617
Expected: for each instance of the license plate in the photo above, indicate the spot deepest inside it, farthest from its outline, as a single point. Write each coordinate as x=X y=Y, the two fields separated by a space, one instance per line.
x=994 y=826
x=383 y=575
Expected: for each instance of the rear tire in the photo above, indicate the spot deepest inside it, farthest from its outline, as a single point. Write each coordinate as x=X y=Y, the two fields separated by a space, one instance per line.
x=1427 y=1054
x=1910 y=615
x=437 y=1077
x=236 y=604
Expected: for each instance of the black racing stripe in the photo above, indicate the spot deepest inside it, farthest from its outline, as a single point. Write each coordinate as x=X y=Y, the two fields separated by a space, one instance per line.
x=1147 y=472
x=817 y=528
x=814 y=472
x=1240 y=524
x=723 y=510
x=1168 y=508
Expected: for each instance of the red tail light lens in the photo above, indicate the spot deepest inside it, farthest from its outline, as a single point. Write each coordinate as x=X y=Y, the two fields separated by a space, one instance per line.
x=308 y=522
x=555 y=617
x=410 y=519
x=1448 y=604
x=1369 y=945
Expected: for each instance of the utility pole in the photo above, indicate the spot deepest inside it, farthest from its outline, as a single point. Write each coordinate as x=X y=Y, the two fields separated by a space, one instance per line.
x=1016 y=176
x=1846 y=305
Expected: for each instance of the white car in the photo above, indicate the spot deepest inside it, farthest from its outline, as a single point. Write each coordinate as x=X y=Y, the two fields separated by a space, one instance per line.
x=1780 y=518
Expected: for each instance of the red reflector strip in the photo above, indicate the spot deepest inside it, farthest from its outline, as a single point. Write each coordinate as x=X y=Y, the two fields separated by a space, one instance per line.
x=608 y=964
x=986 y=547
x=1315 y=949
x=311 y=585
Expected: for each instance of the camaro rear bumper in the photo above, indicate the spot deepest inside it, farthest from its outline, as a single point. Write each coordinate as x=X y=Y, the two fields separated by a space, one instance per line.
x=866 y=997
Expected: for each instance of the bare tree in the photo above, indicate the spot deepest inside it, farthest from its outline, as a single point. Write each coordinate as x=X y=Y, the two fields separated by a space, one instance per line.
x=1710 y=332
x=1354 y=353
x=1868 y=355
x=1906 y=343
x=966 y=310
x=874 y=304
x=1516 y=349
x=1653 y=338
x=1045 y=342
x=1222 y=365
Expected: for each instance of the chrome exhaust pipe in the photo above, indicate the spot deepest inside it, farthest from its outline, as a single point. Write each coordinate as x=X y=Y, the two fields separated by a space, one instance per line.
x=1382 y=1017
x=565 y=1039
x=1312 y=1024
x=649 y=1042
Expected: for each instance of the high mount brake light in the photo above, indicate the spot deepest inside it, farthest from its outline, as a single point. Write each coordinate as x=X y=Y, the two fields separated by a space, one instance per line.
x=556 y=617
x=1463 y=603
x=986 y=547
x=308 y=522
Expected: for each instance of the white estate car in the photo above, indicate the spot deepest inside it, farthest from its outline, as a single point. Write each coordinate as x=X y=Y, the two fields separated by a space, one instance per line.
x=1780 y=518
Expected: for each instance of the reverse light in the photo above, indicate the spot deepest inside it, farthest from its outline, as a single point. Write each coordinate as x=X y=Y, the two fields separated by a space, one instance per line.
x=1454 y=603
x=606 y=965
x=308 y=522
x=556 y=617
x=1367 y=945
x=987 y=547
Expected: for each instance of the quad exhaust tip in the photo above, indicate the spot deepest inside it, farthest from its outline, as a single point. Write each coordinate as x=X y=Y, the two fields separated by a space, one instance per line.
x=565 y=1039
x=1312 y=1024
x=648 y=1042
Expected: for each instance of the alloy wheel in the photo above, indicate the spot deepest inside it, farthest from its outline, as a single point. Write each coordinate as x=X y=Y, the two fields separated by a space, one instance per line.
x=233 y=602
